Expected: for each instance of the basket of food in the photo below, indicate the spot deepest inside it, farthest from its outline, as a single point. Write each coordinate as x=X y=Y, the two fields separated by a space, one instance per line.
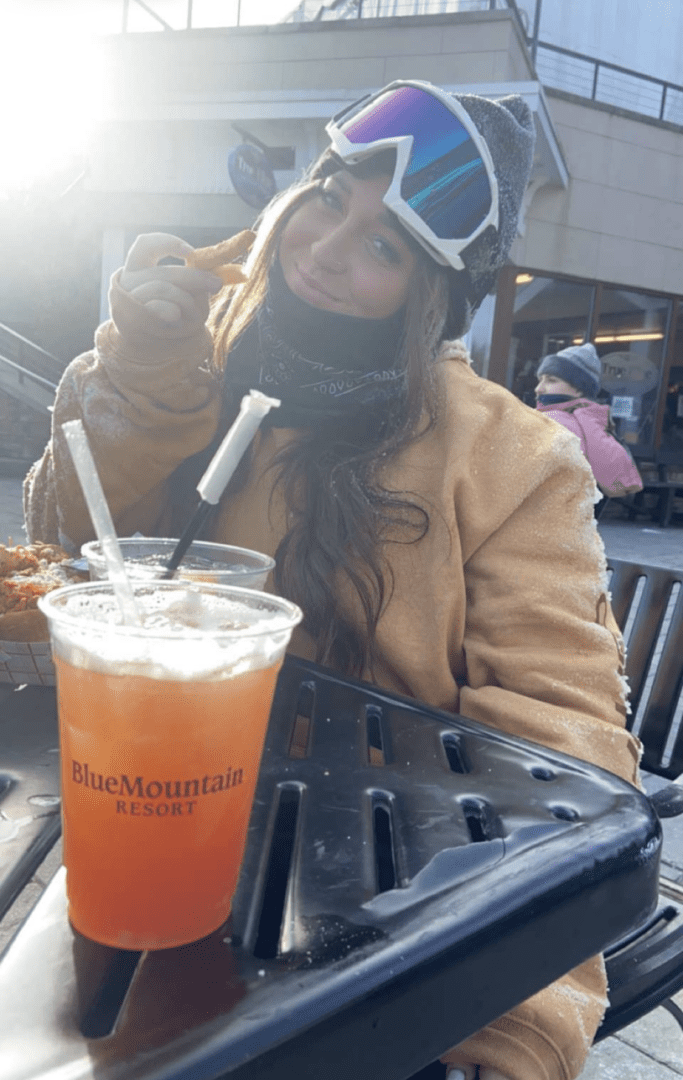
x=27 y=572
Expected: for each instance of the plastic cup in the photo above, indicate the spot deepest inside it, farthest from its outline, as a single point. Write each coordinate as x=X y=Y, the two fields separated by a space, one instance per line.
x=161 y=734
x=222 y=564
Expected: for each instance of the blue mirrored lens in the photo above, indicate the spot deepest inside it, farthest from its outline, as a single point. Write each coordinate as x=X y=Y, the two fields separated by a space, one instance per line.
x=445 y=182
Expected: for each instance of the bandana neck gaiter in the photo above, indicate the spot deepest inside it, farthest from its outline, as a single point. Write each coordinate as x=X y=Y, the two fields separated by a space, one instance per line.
x=321 y=365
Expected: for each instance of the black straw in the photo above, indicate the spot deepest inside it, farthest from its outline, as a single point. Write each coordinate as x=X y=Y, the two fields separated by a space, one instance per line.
x=191 y=529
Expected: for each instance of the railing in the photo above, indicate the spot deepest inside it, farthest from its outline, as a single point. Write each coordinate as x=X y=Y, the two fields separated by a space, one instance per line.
x=608 y=83
x=27 y=372
x=320 y=10
x=198 y=14
x=557 y=67
x=29 y=357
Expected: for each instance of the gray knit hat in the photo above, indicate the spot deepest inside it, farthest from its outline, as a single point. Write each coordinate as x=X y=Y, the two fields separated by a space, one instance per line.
x=579 y=365
x=508 y=128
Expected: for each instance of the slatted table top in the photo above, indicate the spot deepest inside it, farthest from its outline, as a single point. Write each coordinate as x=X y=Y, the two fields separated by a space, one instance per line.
x=400 y=860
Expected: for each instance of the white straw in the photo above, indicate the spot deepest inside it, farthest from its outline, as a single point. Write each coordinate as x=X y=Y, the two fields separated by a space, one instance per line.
x=101 y=519
x=254 y=407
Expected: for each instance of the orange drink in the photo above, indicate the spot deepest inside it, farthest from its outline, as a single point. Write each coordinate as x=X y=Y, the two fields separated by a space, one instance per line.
x=161 y=733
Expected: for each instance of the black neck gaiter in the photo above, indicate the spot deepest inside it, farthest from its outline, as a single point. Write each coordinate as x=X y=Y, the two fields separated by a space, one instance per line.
x=554 y=399
x=321 y=365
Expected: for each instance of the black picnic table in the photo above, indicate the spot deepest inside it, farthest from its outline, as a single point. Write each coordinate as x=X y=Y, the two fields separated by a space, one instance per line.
x=409 y=876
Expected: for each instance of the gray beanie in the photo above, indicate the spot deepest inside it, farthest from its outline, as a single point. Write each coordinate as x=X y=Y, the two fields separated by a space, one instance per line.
x=579 y=365
x=508 y=128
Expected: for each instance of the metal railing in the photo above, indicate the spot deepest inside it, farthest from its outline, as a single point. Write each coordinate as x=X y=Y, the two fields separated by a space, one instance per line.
x=27 y=372
x=319 y=10
x=28 y=356
x=557 y=67
x=190 y=14
x=608 y=83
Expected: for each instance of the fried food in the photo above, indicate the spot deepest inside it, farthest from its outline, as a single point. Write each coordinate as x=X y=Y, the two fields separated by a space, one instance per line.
x=219 y=258
x=27 y=573
x=24 y=626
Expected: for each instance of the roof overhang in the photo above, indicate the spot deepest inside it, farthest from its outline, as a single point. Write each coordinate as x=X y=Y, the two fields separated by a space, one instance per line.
x=320 y=104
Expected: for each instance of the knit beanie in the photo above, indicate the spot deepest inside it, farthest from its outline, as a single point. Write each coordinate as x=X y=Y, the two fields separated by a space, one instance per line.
x=508 y=129
x=579 y=365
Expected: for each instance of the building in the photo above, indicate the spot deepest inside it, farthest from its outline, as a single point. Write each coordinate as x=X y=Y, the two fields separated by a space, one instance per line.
x=600 y=250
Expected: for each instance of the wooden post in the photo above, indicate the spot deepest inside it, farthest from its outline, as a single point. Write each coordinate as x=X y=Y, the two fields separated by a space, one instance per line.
x=594 y=313
x=675 y=314
x=502 y=325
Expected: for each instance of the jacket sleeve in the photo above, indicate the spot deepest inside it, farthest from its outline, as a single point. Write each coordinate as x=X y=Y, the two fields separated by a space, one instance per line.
x=547 y=1037
x=613 y=468
x=544 y=655
x=147 y=403
x=545 y=661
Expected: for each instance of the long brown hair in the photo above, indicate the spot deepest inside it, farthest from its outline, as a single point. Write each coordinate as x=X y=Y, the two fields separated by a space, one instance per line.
x=340 y=515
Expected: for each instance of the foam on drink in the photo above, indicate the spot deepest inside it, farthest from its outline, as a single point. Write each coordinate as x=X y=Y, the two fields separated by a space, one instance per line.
x=188 y=631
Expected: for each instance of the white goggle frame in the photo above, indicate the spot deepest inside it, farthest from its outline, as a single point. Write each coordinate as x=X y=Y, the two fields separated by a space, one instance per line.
x=444 y=251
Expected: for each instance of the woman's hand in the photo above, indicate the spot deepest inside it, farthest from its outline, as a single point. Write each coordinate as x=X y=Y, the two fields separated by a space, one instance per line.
x=174 y=294
x=474 y=1072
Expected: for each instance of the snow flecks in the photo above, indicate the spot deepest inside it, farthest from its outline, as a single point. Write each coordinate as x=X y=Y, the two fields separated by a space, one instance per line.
x=103 y=414
x=625 y=692
x=582 y=1005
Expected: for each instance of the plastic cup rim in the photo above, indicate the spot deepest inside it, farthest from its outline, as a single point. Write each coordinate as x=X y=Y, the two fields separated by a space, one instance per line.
x=266 y=565
x=286 y=617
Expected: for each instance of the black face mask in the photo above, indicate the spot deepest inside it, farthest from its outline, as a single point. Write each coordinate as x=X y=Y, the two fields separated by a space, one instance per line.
x=321 y=365
x=554 y=399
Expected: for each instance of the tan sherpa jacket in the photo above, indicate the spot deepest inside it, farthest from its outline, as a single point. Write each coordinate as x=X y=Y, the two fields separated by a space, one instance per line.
x=500 y=612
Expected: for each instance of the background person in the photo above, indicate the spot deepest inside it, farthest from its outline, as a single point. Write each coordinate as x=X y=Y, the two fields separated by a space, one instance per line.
x=437 y=533
x=568 y=383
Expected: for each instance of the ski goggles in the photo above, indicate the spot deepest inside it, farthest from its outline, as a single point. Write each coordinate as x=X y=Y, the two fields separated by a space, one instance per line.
x=444 y=188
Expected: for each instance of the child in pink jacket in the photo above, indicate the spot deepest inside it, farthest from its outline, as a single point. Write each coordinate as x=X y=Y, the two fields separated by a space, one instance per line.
x=568 y=382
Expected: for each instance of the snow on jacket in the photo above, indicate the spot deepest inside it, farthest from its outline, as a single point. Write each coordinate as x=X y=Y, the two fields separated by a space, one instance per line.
x=499 y=612
x=613 y=467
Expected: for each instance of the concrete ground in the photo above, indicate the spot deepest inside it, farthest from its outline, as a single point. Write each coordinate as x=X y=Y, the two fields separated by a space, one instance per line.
x=651 y=1048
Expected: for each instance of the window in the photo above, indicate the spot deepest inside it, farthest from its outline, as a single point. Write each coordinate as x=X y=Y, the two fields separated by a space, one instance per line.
x=549 y=314
x=630 y=340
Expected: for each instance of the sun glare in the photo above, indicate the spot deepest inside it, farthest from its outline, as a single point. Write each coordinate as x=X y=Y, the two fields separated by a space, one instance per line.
x=51 y=92
x=51 y=78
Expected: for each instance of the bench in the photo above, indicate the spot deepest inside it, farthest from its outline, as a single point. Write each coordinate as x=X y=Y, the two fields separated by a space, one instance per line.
x=646 y=967
x=664 y=482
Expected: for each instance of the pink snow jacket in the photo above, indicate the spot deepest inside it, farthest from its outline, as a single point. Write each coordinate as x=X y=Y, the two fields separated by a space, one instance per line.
x=613 y=467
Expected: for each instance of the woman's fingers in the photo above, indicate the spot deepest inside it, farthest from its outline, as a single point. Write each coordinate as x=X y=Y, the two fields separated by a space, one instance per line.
x=472 y=1072
x=171 y=303
x=167 y=312
x=149 y=248
x=191 y=281
x=172 y=293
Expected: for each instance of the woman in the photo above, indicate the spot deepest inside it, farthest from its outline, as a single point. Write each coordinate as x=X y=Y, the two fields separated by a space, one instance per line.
x=568 y=383
x=436 y=532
